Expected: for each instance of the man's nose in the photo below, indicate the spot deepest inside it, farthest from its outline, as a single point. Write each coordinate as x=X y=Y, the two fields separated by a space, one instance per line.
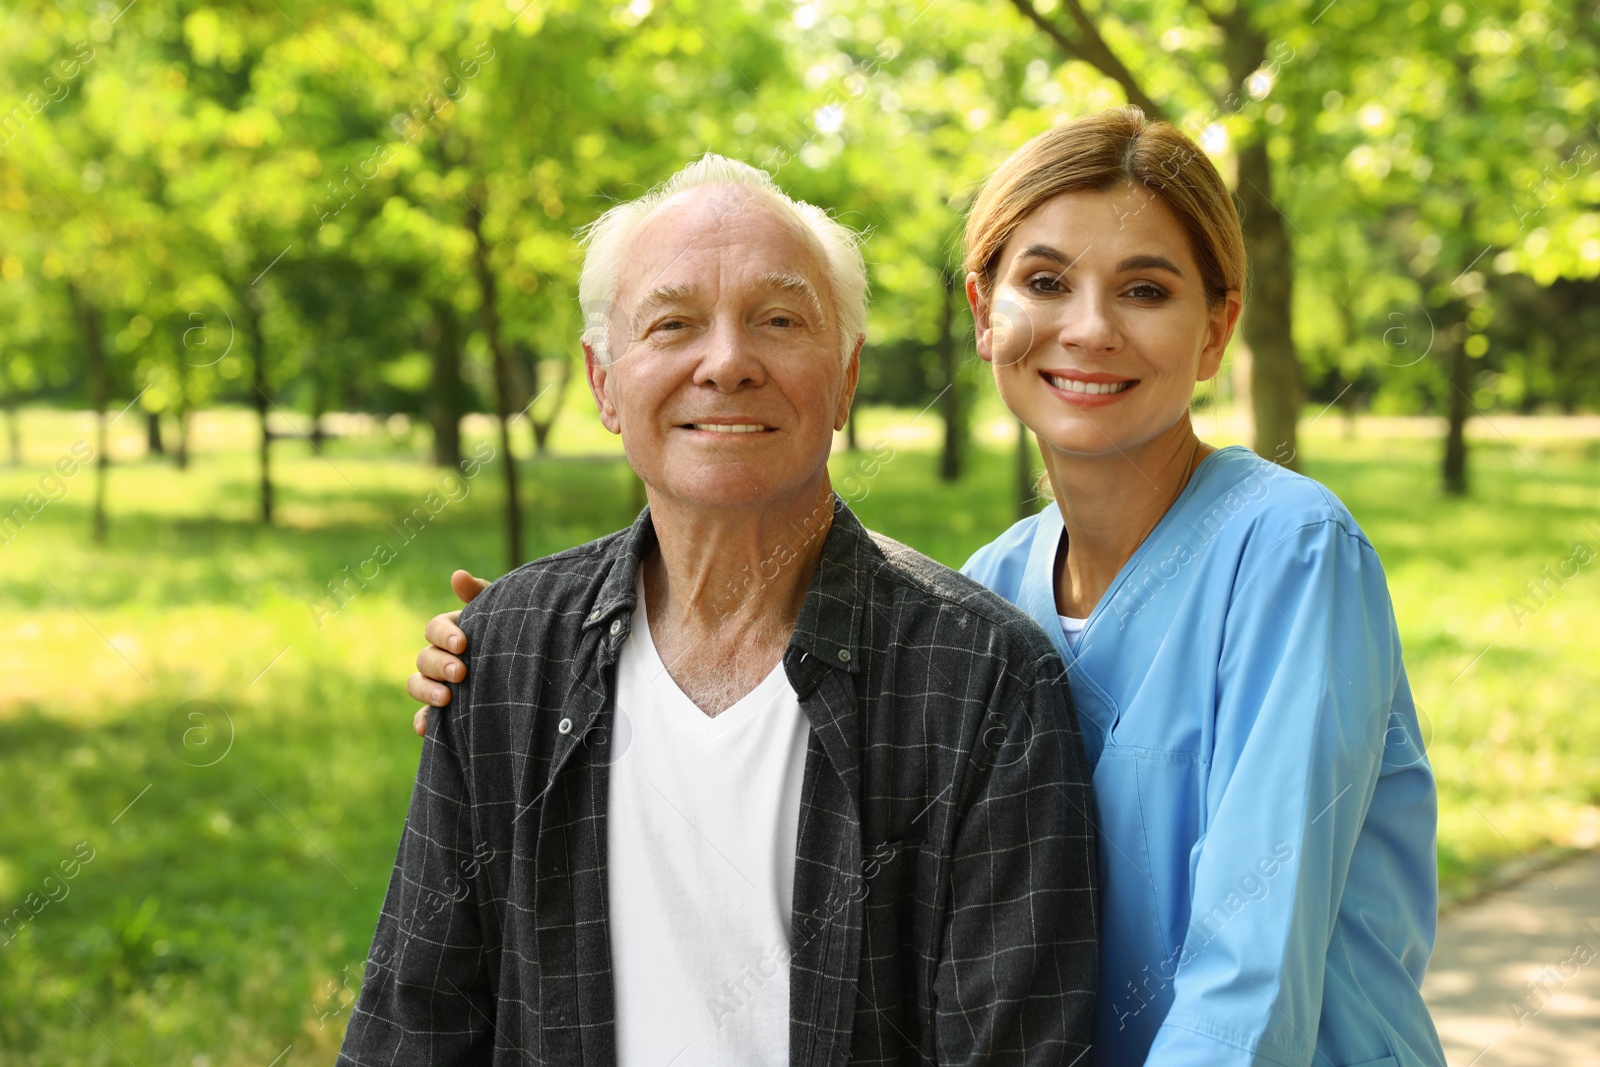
x=728 y=359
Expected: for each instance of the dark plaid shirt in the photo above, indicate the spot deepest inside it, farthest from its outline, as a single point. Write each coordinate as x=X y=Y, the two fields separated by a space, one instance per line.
x=944 y=906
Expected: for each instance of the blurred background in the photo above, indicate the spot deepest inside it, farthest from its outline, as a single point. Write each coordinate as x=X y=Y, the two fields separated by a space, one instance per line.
x=288 y=331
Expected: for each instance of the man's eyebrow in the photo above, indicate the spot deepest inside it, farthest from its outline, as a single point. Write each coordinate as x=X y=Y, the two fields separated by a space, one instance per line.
x=663 y=294
x=794 y=283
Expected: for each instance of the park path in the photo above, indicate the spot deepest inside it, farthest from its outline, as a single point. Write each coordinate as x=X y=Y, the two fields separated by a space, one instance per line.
x=1515 y=977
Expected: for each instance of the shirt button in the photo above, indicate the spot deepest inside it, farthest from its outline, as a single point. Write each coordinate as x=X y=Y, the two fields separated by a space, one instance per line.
x=616 y=627
x=844 y=655
x=594 y=616
x=564 y=726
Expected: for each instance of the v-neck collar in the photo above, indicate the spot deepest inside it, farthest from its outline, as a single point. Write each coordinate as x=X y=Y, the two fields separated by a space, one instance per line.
x=1038 y=598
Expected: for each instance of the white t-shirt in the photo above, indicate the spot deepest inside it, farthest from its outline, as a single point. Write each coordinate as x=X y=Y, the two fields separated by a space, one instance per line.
x=1072 y=628
x=703 y=823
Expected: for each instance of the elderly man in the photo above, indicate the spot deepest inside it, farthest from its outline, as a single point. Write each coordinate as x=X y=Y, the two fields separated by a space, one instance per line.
x=743 y=783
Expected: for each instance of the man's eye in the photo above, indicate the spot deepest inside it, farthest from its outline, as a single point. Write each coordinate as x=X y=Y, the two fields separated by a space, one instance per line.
x=672 y=324
x=780 y=320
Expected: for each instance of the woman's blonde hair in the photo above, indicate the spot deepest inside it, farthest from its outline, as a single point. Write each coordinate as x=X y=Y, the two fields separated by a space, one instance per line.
x=1101 y=152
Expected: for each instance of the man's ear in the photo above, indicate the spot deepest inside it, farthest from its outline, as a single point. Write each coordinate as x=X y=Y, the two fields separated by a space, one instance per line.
x=1220 y=324
x=982 y=324
x=852 y=377
x=599 y=375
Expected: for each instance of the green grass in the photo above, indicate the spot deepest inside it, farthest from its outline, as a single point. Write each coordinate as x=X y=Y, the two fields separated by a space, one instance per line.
x=224 y=912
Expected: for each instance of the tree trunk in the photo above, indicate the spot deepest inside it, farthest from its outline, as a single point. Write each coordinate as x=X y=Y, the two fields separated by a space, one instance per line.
x=181 y=456
x=13 y=429
x=525 y=386
x=502 y=374
x=850 y=442
x=94 y=352
x=263 y=399
x=1277 y=388
x=319 y=408
x=950 y=406
x=1457 y=411
x=1027 y=495
x=447 y=399
x=543 y=426
x=152 y=425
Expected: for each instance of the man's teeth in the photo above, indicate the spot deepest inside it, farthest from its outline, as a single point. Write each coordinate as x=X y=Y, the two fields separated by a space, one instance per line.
x=1072 y=385
x=717 y=428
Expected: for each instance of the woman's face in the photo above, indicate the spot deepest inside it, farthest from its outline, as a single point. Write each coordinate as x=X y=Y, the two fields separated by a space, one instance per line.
x=1097 y=323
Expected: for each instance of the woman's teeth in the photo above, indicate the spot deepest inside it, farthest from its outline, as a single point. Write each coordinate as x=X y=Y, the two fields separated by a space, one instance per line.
x=1072 y=385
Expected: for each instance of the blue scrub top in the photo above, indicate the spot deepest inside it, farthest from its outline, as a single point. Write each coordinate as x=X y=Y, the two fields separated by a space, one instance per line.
x=1267 y=814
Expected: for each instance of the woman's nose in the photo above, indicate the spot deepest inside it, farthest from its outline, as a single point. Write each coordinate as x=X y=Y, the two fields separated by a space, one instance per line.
x=1090 y=325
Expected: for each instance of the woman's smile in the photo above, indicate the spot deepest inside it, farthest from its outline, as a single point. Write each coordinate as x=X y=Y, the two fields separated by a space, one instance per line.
x=1088 y=390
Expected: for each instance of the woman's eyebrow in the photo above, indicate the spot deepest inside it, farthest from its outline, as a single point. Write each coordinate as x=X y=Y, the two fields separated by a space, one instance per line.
x=1148 y=262
x=1052 y=254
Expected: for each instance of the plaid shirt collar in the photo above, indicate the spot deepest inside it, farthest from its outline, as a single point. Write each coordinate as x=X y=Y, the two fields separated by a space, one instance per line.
x=829 y=627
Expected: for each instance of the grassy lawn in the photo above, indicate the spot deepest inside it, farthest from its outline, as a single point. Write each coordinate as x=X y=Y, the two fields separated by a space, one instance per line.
x=223 y=762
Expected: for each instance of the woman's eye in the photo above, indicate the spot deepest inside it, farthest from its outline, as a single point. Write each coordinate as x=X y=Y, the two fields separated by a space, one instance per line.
x=1045 y=283
x=1147 y=292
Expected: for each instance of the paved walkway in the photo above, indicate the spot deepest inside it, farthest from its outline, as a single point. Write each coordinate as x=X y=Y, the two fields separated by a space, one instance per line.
x=1515 y=978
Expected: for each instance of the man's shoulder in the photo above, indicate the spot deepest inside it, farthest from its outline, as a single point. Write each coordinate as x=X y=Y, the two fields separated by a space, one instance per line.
x=921 y=582
x=558 y=584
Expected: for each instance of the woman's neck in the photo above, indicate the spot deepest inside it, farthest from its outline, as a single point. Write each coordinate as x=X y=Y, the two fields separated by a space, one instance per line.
x=1110 y=503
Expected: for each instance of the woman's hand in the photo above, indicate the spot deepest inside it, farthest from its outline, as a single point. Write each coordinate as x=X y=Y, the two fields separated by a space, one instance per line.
x=440 y=661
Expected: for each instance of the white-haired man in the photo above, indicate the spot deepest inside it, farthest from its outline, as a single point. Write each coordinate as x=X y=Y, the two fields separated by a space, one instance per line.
x=742 y=784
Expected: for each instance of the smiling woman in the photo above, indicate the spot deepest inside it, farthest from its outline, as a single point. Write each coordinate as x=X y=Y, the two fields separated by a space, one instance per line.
x=1246 y=715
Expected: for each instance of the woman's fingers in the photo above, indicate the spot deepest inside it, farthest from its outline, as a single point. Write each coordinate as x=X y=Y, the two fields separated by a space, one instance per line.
x=440 y=661
x=466 y=586
x=440 y=666
x=443 y=633
x=428 y=691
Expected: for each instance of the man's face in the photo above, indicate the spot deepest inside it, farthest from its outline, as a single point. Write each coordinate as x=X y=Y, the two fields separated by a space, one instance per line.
x=725 y=380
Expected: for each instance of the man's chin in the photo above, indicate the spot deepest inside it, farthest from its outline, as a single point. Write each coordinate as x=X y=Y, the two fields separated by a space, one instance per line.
x=731 y=487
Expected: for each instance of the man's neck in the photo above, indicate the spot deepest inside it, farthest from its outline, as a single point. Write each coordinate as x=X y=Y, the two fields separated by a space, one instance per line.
x=724 y=588
x=1110 y=504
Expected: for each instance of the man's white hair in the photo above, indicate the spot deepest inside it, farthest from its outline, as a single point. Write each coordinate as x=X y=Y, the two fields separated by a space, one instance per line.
x=836 y=245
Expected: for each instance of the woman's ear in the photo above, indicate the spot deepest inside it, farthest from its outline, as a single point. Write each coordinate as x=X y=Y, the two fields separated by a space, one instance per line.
x=1220 y=323
x=982 y=321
